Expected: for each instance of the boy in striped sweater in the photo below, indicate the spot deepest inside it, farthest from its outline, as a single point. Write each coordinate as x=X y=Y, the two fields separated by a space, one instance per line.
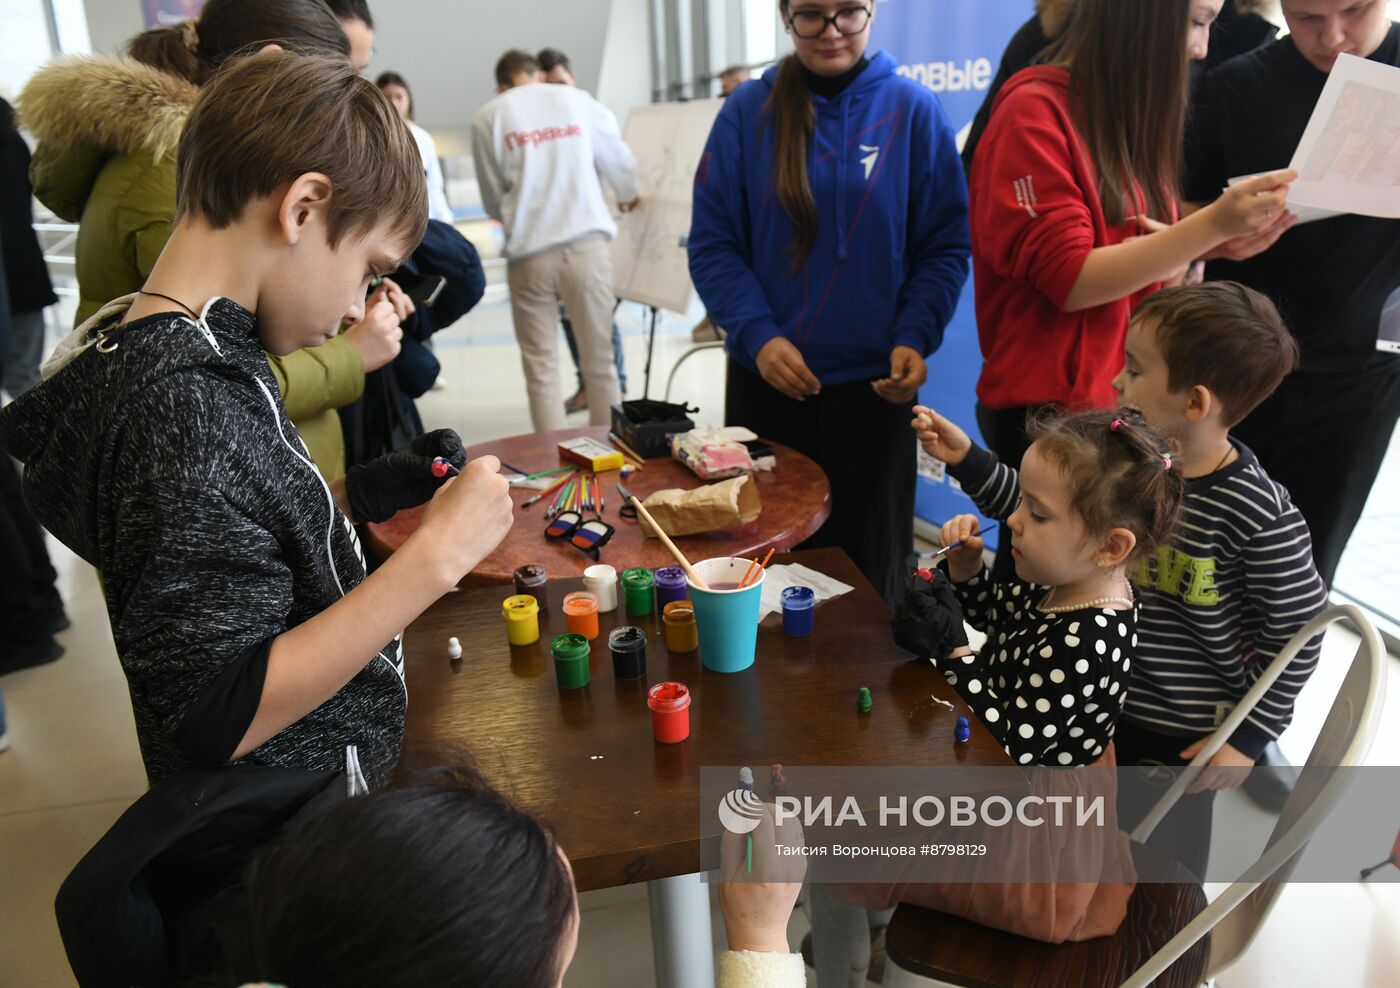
x=1220 y=601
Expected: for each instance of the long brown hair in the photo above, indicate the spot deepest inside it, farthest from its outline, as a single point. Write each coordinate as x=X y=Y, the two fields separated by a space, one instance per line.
x=1054 y=15
x=789 y=111
x=195 y=50
x=1128 y=92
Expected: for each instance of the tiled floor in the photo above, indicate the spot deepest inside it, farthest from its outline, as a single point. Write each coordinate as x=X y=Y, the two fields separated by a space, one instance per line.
x=73 y=764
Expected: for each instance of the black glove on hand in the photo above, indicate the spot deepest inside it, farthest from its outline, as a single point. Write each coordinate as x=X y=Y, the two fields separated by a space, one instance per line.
x=403 y=478
x=928 y=621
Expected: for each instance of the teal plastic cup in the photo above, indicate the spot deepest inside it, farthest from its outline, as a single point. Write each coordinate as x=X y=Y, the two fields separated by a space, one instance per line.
x=725 y=616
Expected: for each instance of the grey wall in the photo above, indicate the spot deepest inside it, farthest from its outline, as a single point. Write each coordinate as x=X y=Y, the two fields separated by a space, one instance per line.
x=625 y=78
x=447 y=49
x=111 y=23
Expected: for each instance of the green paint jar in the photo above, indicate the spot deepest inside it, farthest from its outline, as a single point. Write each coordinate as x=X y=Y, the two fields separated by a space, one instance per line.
x=637 y=588
x=570 y=661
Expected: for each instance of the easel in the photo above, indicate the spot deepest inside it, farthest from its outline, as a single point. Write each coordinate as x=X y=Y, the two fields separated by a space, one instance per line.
x=651 y=341
x=651 y=345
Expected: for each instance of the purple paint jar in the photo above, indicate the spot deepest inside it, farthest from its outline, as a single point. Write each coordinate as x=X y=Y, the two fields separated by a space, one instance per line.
x=799 y=611
x=670 y=586
x=532 y=580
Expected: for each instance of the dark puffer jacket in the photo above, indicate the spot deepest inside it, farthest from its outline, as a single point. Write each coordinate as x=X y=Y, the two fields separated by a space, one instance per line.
x=170 y=464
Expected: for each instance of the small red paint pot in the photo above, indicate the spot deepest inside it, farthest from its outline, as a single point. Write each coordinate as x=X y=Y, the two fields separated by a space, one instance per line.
x=670 y=712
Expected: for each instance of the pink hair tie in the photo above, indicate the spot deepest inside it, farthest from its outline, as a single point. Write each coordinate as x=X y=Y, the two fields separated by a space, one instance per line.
x=1116 y=424
x=1168 y=461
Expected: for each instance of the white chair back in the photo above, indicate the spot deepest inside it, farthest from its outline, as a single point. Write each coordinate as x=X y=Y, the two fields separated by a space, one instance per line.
x=1235 y=917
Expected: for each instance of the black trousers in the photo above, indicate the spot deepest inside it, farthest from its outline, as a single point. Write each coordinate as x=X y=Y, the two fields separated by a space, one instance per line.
x=1184 y=833
x=1004 y=432
x=867 y=450
x=28 y=598
x=1324 y=440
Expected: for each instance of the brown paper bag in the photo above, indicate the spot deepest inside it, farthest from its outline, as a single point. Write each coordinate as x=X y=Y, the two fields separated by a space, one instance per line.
x=728 y=504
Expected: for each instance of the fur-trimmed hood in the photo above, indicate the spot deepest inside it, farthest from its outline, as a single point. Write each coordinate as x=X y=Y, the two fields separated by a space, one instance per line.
x=85 y=111
x=115 y=104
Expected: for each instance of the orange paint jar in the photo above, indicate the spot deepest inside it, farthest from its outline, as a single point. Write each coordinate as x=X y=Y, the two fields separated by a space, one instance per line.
x=581 y=612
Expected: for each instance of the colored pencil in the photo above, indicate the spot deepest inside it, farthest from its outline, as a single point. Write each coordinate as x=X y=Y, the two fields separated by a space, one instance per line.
x=563 y=498
x=545 y=493
x=627 y=451
x=547 y=473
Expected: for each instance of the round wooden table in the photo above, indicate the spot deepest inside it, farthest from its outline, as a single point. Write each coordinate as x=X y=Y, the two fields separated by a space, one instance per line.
x=796 y=502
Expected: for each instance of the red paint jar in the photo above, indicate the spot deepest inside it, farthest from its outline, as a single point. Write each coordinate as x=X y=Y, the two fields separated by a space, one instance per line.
x=670 y=712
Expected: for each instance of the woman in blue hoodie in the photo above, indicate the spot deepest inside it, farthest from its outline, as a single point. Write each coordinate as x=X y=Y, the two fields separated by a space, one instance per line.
x=829 y=239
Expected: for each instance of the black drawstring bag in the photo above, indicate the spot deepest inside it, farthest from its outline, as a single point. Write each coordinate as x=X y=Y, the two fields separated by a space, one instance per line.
x=373 y=428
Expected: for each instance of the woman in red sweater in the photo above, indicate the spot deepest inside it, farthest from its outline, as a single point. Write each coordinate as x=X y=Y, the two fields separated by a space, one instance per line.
x=1074 y=208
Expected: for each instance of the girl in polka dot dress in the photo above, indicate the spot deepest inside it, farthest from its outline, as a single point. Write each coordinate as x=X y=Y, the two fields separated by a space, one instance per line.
x=1097 y=491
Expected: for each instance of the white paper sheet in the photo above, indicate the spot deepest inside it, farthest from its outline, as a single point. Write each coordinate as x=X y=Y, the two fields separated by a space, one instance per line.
x=778 y=578
x=1349 y=158
x=1305 y=214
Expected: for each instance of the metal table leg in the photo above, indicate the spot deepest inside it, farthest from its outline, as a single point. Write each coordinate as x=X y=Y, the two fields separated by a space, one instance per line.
x=680 y=932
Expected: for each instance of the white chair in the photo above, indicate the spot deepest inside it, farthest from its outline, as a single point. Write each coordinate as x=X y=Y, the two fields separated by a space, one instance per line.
x=698 y=348
x=1225 y=927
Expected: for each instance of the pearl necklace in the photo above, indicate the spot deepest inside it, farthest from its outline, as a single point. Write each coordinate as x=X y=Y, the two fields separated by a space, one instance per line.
x=1087 y=605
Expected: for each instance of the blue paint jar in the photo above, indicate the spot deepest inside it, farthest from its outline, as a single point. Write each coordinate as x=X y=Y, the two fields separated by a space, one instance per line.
x=799 y=611
x=670 y=586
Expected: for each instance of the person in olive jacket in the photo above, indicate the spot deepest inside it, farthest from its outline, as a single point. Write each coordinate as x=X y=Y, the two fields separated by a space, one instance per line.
x=107 y=130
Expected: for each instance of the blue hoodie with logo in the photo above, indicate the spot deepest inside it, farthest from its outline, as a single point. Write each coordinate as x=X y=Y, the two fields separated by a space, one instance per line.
x=892 y=246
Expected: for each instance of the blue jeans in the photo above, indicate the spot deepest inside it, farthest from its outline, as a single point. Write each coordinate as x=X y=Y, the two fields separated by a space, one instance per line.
x=617 y=351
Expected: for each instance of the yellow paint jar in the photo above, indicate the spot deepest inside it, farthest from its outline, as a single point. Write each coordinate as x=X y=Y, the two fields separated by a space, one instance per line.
x=522 y=614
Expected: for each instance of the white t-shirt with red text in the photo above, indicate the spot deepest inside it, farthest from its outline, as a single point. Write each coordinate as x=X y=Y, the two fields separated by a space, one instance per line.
x=542 y=152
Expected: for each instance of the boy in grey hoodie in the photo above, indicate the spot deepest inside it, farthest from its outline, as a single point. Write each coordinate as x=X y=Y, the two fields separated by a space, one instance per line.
x=159 y=450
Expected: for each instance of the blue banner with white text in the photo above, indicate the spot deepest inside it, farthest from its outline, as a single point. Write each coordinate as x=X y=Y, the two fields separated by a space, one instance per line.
x=953 y=47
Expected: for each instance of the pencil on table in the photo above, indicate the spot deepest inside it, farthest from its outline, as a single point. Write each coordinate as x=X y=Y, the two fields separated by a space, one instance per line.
x=627 y=451
x=547 y=473
x=545 y=493
x=563 y=498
